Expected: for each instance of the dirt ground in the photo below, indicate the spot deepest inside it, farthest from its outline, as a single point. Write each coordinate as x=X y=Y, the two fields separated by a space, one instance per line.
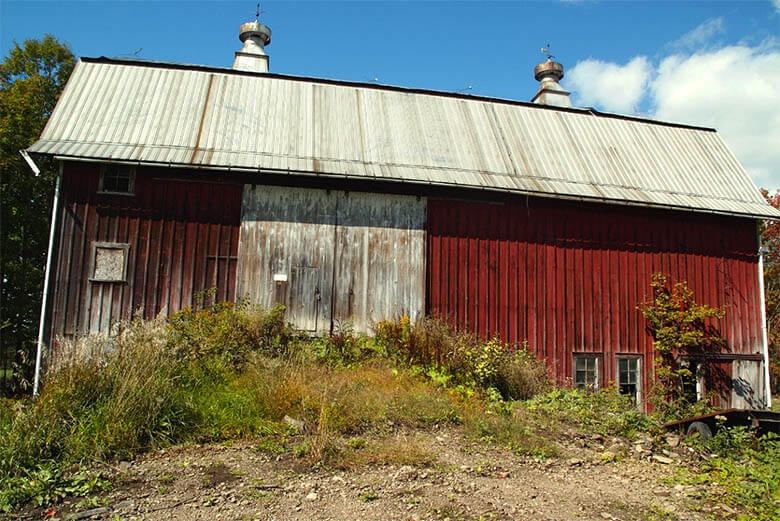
x=469 y=480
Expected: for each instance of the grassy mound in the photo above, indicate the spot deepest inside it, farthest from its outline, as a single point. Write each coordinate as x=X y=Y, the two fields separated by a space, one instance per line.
x=239 y=372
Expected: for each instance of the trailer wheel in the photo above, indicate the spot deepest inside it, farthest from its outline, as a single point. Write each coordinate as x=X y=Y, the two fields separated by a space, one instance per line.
x=700 y=428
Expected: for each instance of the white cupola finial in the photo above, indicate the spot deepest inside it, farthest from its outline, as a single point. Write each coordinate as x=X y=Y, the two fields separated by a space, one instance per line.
x=256 y=36
x=549 y=73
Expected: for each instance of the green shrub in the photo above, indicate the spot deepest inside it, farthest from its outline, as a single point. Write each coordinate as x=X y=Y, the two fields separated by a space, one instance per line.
x=521 y=375
x=44 y=485
x=229 y=331
x=741 y=471
x=606 y=412
x=680 y=327
x=463 y=358
x=343 y=347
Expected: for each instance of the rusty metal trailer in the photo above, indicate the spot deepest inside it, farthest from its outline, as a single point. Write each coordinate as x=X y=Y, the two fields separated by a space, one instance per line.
x=758 y=421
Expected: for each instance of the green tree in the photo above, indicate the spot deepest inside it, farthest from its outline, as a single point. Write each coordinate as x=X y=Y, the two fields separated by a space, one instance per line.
x=770 y=238
x=680 y=328
x=31 y=79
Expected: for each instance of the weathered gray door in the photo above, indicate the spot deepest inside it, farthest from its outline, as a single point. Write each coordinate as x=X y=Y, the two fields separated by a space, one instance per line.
x=285 y=252
x=304 y=297
x=380 y=258
x=747 y=384
x=333 y=257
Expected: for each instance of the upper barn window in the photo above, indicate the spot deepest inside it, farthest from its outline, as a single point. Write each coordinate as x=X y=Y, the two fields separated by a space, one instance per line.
x=117 y=179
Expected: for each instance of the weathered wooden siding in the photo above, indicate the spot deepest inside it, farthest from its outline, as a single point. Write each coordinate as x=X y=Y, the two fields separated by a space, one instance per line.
x=285 y=252
x=568 y=277
x=333 y=257
x=182 y=238
x=747 y=385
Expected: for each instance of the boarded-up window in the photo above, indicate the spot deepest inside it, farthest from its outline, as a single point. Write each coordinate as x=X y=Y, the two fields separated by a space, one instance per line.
x=109 y=262
x=747 y=384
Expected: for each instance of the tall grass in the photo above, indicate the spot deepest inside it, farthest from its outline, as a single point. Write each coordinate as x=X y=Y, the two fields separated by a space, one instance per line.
x=232 y=371
x=510 y=369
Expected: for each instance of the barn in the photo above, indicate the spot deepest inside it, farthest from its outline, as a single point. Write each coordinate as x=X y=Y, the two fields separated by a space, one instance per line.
x=352 y=202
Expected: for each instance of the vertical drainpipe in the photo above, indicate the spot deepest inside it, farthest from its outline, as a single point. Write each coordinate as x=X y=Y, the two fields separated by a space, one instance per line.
x=761 y=252
x=46 y=277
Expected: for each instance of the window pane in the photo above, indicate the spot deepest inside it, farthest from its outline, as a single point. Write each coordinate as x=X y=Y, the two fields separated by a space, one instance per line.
x=585 y=373
x=628 y=376
x=118 y=178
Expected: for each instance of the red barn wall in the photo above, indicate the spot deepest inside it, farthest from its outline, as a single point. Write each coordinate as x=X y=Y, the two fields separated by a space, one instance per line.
x=182 y=236
x=568 y=277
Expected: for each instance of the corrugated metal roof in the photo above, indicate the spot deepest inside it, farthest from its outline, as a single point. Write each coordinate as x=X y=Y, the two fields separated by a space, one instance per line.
x=154 y=113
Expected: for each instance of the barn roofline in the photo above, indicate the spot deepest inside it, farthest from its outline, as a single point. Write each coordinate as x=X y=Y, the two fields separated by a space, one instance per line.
x=372 y=132
x=401 y=185
x=392 y=88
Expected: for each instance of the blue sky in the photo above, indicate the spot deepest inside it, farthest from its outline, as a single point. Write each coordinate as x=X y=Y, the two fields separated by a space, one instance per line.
x=701 y=62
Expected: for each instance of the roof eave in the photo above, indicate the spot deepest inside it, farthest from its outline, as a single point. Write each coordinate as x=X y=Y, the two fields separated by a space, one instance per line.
x=775 y=216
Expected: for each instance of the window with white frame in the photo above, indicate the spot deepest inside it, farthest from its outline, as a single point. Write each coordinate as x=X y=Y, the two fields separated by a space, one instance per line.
x=629 y=376
x=109 y=262
x=117 y=179
x=586 y=372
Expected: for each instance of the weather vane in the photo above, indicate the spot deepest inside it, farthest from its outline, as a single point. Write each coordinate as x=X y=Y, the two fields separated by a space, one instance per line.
x=257 y=12
x=546 y=50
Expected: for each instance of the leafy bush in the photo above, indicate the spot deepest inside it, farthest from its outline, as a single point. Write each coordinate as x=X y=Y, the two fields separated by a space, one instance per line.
x=607 y=412
x=680 y=327
x=343 y=347
x=464 y=359
x=521 y=375
x=229 y=331
x=44 y=485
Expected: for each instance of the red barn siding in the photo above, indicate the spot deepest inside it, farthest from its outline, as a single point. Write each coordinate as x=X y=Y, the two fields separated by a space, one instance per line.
x=183 y=238
x=567 y=277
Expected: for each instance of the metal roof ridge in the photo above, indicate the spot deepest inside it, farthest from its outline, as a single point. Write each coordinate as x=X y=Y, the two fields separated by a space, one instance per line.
x=394 y=88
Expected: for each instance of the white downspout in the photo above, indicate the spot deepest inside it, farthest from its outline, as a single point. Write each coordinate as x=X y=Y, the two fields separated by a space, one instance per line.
x=46 y=277
x=761 y=252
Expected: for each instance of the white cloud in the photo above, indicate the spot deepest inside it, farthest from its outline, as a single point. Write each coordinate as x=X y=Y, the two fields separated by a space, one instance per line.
x=736 y=90
x=777 y=5
x=701 y=35
x=616 y=88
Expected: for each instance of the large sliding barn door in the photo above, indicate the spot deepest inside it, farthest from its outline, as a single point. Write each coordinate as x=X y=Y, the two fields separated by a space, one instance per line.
x=380 y=258
x=332 y=257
